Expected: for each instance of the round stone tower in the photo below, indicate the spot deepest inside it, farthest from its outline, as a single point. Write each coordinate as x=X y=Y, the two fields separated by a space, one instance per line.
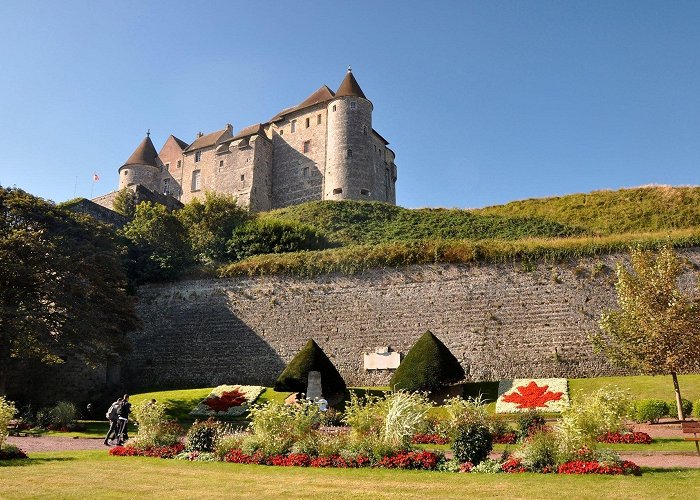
x=141 y=167
x=349 y=170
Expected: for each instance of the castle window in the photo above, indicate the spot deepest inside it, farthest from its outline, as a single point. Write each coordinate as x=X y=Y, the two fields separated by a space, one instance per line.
x=167 y=167
x=307 y=146
x=179 y=163
x=294 y=126
x=242 y=177
x=305 y=171
x=353 y=104
x=126 y=172
x=318 y=119
x=197 y=156
x=308 y=122
x=364 y=192
x=349 y=155
x=338 y=191
x=196 y=180
x=364 y=130
x=334 y=108
x=166 y=186
x=281 y=131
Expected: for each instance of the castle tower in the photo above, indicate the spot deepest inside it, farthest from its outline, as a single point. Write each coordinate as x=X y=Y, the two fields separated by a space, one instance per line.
x=141 y=167
x=350 y=172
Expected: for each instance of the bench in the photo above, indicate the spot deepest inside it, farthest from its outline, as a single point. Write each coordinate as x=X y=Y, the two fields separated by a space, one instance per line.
x=694 y=429
x=13 y=427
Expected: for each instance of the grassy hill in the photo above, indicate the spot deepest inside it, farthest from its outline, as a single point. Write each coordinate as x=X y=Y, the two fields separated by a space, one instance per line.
x=642 y=209
x=379 y=235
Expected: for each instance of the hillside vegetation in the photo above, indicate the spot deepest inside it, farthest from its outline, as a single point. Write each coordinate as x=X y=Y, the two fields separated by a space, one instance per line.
x=380 y=235
x=642 y=209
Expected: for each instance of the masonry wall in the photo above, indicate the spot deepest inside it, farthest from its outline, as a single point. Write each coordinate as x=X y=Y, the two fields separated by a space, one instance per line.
x=498 y=320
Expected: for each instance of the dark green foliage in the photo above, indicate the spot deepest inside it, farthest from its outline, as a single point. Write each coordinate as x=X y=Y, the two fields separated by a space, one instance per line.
x=354 y=222
x=62 y=284
x=486 y=391
x=202 y=436
x=428 y=366
x=125 y=203
x=310 y=358
x=273 y=236
x=210 y=224
x=686 y=405
x=472 y=443
x=158 y=244
x=650 y=410
x=528 y=423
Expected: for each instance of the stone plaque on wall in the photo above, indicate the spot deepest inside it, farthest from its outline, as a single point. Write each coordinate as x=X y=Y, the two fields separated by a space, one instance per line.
x=383 y=358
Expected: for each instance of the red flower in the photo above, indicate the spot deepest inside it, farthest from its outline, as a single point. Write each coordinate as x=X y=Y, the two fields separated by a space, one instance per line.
x=507 y=438
x=227 y=400
x=532 y=396
x=513 y=465
x=590 y=467
x=626 y=438
x=429 y=439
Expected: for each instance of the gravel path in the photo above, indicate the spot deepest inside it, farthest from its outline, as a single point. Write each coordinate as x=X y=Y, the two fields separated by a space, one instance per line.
x=33 y=444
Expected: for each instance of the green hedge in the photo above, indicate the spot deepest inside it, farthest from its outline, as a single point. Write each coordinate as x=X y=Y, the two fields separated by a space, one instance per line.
x=427 y=366
x=311 y=358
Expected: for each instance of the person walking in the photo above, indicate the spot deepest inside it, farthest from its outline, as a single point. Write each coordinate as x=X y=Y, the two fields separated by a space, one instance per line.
x=124 y=412
x=113 y=418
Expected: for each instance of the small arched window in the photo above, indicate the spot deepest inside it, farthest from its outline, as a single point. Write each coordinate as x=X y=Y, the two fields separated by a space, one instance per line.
x=349 y=155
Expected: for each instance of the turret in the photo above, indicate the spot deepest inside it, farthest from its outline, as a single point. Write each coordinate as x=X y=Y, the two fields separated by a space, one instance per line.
x=349 y=164
x=141 y=167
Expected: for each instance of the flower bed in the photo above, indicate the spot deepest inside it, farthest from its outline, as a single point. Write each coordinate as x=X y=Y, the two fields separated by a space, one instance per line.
x=507 y=438
x=429 y=439
x=521 y=395
x=585 y=467
x=155 y=452
x=625 y=438
x=227 y=401
x=423 y=460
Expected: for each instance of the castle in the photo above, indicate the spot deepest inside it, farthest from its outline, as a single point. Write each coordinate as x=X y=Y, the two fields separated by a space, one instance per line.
x=324 y=148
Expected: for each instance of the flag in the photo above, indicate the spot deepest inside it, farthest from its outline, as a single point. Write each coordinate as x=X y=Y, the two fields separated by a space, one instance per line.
x=95 y=177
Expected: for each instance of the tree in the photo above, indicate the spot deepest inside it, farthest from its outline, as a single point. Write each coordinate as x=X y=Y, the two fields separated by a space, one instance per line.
x=427 y=366
x=656 y=329
x=158 y=245
x=211 y=223
x=125 y=203
x=62 y=285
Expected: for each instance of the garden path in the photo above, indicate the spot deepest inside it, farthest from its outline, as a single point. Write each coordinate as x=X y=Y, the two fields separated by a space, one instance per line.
x=34 y=444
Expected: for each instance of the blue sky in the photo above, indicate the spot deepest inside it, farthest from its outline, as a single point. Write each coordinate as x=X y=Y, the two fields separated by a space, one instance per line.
x=483 y=102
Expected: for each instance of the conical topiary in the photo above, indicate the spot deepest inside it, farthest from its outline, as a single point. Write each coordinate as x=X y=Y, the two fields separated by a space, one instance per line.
x=310 y=358
x=427 y=366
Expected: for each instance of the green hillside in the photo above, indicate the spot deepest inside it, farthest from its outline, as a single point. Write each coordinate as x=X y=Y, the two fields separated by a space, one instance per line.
x=353 y=222
x=643 y=209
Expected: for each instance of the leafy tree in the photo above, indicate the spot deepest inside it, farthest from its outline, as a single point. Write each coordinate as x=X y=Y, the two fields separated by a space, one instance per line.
x=656 y=329
x=158 y=244
x=273 y=236
x=210 y=224
x=62 y=285
x=125 y=203
x=427 y=366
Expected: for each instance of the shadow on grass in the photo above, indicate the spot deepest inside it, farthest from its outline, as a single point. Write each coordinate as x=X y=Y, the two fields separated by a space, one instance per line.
x=180 y=409
x=24 y=462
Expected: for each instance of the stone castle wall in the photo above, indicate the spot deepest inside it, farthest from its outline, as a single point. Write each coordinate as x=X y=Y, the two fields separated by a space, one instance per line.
x=500 y=321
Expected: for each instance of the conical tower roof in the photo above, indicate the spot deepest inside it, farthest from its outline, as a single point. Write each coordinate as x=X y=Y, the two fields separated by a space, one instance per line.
x=145 y=154
x=349 y=87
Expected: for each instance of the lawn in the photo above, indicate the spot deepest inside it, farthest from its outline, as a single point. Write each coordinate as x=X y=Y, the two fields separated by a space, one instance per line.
x=641 y=387
x=95 y=475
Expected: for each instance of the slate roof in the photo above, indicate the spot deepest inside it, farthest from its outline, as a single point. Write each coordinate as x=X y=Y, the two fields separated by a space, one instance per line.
x=258 y=128
x=210 y=139
x=323 y=94
x=145 y=154
x=349 y=87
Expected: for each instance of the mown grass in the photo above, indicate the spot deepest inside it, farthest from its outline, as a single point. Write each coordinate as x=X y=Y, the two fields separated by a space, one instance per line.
x=355 y=259
x=640 y=387
x=178 y=403
x=95 y=475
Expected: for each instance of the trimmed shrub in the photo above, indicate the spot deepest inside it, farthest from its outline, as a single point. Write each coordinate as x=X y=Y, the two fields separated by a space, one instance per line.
x=472 y=443
x=202 y=436
x=649 y=410
x=264 y=236
x=311 y=358
x=428 y=366
x=687 y=408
